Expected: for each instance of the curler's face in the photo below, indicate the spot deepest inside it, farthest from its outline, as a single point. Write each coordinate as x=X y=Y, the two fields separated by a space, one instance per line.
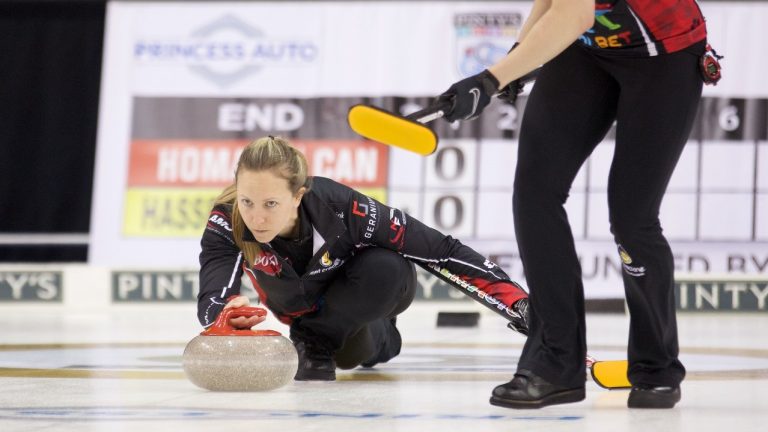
x=266 y=204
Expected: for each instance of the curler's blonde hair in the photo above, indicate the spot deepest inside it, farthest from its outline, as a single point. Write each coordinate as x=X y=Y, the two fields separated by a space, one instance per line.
x=269 y=153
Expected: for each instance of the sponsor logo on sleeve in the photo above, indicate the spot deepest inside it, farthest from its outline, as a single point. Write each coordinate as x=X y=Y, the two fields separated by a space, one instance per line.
x=359 y=209
x=396 y=227
x=217 y=219
x=370 y=212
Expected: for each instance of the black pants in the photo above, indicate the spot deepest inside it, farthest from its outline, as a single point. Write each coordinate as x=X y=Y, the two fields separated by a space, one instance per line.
x=354 y=319
x=575 y=100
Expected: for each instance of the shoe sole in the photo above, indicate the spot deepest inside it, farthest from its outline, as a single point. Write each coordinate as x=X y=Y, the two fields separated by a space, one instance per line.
x=563 y=397
x=652 y=401
x=315 y=376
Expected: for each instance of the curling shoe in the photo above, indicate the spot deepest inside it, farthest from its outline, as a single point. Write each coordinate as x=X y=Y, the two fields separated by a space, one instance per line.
x=647 y=396
x=315 y=363
x=529 y=391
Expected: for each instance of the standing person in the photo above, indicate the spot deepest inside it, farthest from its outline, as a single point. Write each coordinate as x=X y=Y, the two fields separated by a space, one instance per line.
x=639 y=63
x=333 y=263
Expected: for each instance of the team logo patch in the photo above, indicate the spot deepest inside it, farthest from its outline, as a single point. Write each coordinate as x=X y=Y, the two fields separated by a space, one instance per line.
x=326 y=260
x=627 y=264
x=327 y=264
x=625 y=258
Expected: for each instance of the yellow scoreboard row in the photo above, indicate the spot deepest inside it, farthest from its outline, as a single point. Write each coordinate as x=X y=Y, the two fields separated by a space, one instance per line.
x=179 y=212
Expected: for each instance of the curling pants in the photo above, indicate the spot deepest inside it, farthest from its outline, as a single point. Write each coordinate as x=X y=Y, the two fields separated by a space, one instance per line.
x=576 y=99
x=355 y=319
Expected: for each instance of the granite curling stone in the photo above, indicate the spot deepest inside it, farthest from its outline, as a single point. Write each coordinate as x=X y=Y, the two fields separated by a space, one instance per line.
x=223 y=358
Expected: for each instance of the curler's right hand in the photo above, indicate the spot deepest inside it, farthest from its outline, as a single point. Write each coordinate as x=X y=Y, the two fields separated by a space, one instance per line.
x=242 y=322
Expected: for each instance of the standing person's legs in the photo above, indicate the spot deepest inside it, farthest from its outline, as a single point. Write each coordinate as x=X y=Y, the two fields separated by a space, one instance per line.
x=570 y=110
x=354 y=323
x=657 y=107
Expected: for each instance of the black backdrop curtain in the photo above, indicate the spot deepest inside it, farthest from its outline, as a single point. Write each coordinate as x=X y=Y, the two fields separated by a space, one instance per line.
x=50 y=70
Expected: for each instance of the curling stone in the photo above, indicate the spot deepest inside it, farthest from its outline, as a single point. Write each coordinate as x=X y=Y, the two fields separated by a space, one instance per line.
x=223 y=358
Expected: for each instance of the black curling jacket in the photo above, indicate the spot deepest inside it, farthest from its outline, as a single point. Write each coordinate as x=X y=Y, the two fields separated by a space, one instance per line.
x=342 y=222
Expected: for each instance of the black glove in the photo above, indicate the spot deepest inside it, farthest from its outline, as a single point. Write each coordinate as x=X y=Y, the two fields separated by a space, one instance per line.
x=470 y=96
x=520 y=321
x=509 y=92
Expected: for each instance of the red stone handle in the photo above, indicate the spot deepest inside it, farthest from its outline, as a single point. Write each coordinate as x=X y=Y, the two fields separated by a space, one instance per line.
x=221 y=326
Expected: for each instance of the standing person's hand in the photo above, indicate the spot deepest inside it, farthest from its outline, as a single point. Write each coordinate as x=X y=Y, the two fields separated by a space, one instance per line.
x=470 y=96
x=511 y=91
x=242 y=322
